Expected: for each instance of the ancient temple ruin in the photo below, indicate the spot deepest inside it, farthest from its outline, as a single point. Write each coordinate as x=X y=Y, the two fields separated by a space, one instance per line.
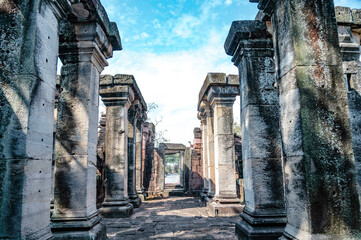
x=294 y=173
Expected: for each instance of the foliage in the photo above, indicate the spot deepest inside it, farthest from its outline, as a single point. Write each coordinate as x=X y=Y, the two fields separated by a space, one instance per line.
x=174 y=158
x=237 y=129
x=159 y=136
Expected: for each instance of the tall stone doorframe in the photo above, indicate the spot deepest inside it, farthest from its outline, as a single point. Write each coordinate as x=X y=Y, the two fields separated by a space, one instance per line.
x=215 y=106
x=184 y=167
x=318 y=161
x=29 y=38
x=125 y=106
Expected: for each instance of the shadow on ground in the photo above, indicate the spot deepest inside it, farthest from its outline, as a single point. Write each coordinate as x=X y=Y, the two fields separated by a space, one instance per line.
x=172 y=218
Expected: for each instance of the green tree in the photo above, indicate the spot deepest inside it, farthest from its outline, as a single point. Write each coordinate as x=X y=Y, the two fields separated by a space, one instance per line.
x=237 y=129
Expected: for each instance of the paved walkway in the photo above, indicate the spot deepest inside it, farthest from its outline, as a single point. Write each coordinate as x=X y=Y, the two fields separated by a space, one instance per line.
x=171 y=218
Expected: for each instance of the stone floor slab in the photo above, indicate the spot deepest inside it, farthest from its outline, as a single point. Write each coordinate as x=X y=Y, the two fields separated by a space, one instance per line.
x=171 y=219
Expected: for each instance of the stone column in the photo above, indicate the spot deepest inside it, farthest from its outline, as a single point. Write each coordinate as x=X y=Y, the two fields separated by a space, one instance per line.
x=139 y=159
x=349 y=25
x=264 y=214
x=187 y=169
x=145 y=134
x=117 y=99
x=225 y=202
x=76 y=136
x=181 y=168
x=132 y=191
x=196 y=183
x=319 y=166
x=204 y=194
x=160 y=181
x=208 y=112
x=29 y=47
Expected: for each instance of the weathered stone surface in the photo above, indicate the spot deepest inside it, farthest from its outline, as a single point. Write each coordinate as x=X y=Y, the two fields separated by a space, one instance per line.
x=28 y=53
x=215 y=111
x=320 y=188
x=261 y=139
x=75 y=211
x=349 y=36
x=117 y=100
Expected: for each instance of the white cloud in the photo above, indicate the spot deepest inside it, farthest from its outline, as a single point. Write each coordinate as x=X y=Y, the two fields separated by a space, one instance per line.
x=228 y=2
x=173 y=81
x=185 y=26
x=141 y=36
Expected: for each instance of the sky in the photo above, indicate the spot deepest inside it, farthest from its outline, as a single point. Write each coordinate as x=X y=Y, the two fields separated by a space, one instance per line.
x=170 y=46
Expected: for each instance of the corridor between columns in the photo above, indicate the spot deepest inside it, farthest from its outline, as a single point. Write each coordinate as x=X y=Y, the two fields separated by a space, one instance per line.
x=171 y=218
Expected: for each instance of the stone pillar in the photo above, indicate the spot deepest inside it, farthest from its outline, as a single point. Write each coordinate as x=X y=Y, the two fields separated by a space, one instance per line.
x=319 y=166
x=150 y=163
x=181 y=168
x=75 y=209
x=101 y=160
x=204 y=194
x=225 y=202
x=264 y=214
x=117 y=99
x=160 y=176
x=196 y=183
x=139 y=159
x=132 y=125
x=349 y=25
x=187 y=169
x=208 y=112
x=145 y=134
x=29 y=47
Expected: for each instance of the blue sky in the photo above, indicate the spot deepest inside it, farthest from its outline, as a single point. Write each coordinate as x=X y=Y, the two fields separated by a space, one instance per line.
x=170 y=45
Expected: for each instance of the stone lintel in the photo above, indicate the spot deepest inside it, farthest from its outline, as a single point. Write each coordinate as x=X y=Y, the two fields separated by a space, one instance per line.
x=222 y=94
x=84 y=42
x=216 y=79
x=93 y=10
x=126 y=80
x=247 y=34
x=172 y=146
x=117 y=95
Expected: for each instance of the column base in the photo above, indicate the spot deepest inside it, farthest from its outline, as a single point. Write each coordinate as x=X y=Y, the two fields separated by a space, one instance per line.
x=78 y=229
x=116 y=210
x=228 y=208
x=261 y=227
x=136 y=202
x=141 y=195
x=204 y=195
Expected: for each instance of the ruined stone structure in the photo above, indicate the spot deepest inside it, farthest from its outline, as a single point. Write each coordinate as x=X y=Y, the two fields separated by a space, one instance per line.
x=125 y=107
x=196 y=177
x=150 y=166
x=29 y=39
x=215 y=107
x=305 y=89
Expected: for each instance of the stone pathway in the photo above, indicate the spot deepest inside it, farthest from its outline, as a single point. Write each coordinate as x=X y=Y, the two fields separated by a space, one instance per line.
x=171 y=218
